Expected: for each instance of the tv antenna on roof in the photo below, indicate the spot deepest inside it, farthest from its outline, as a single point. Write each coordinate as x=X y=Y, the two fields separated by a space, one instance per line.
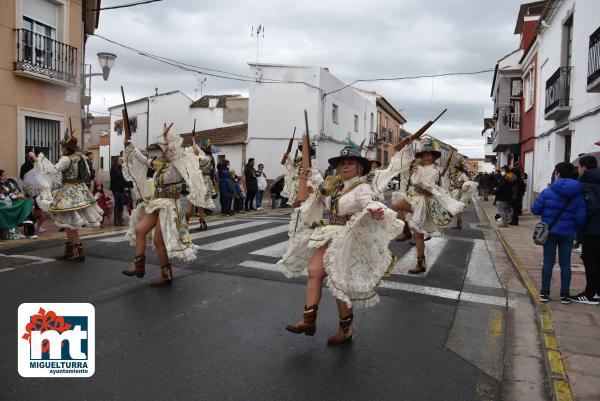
x=258 y=33
x=201 y=84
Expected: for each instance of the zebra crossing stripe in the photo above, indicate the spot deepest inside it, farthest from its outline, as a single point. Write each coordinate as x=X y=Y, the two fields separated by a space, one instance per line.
x=244 y=239
x=405 y=287
x=121 y=237
x=273 y=251
x=433 y=249
x=228 y=229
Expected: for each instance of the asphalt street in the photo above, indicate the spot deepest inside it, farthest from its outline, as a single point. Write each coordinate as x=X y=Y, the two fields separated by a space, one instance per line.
x=217 y=333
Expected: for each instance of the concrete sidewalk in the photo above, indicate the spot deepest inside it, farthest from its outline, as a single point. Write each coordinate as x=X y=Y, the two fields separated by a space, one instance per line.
x=570 y=333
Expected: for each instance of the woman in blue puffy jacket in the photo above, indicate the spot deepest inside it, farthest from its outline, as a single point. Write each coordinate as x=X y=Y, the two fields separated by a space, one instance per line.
x=225 y=188
x=548 y=204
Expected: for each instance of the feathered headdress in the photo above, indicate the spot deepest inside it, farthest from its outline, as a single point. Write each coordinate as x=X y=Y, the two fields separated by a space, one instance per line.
x=69 y=140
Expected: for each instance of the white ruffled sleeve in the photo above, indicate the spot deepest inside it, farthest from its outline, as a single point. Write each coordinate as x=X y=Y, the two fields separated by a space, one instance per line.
x=49 y=177
x=400 y=163
x=135 y=167
x=187 y=163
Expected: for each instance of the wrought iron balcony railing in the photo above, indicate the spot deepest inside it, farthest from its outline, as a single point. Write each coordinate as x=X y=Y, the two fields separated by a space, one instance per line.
x=557 y=93
x=45 y=56
x=514 y=121
x=593 y=78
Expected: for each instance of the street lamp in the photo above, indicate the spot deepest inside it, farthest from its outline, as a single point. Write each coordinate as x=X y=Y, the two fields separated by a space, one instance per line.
x=107 y=60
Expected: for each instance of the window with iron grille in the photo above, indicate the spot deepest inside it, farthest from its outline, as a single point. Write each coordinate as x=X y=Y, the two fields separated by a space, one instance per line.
x=42 y=135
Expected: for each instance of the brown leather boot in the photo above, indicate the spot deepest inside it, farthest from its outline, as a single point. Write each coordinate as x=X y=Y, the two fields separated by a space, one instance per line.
x=344 y=333
x=420 y=267
x=203 y=225
x=166 y=276
x=308 y=326
x=139 y=267
x=79 y=254
x=68 y=253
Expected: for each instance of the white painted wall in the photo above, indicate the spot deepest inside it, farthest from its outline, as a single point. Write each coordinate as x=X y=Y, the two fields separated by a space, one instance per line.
x=584 y=129
x=276 y=108
x=207 y=118
x=233 y=153
x=151 y=116
x=104 y=153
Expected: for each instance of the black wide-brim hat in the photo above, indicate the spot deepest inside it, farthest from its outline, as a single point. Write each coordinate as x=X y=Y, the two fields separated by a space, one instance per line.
x=349 y=153
x=428 y=147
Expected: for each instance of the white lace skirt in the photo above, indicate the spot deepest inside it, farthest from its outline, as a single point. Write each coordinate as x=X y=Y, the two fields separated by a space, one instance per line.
x=173 y=226
x=356 y=258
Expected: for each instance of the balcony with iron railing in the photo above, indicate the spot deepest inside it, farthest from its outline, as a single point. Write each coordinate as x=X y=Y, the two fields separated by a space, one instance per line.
x=593 y=78
x=41 y=57
x=558 y=88
x=514 y=121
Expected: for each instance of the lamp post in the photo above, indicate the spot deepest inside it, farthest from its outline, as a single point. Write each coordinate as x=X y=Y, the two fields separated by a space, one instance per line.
x=106 y=60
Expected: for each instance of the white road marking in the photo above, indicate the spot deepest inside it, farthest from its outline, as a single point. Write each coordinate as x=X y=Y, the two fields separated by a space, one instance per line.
x=405 y=287
x=38 y=259
x=244 y=239
x=228 y=229
x=433 y=249
x=104 y=234
x=6 y=269
x=480 y=270
x=260 y=265
x=121 y=237
x=273 y=251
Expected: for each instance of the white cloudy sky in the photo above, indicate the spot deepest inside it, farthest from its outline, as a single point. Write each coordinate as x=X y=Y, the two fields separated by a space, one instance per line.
x=355 y=39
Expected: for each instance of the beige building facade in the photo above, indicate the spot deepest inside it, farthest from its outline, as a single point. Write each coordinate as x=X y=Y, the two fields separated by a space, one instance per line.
x=42 y=48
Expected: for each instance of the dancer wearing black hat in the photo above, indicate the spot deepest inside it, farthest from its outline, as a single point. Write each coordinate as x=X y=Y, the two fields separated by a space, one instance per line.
x=66 y=196
x=349 y=251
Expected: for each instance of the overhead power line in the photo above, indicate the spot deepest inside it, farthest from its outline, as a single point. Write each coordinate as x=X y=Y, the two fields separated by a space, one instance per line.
x=137 y=3
x=213 y=72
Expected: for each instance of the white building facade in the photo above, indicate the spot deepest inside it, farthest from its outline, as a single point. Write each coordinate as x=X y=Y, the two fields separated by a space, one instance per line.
x=335 y=113
x=568 y=110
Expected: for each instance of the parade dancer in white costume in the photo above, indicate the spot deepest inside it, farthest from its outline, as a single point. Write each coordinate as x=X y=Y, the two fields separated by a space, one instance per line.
x=294 y=169
x=460 y=187
x=207 y=165
x=426 y=206
x=160 y=220
x=66 y=197
x=349 y=250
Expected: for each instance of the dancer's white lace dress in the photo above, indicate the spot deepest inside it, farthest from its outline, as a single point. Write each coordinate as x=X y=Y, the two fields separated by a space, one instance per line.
x=432 y=206
x=181 y=167
x=65 y=197
x=357 y=254
x=461 y=188
x=290 y=182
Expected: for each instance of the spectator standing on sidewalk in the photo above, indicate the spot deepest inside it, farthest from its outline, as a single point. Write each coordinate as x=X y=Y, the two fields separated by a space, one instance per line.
x=226 y=188
x=518 y=191
x=262 y=183
x=562 y=204
x=486 y=183
x=589 y=176
x=494 y=182
x=504 y=195
x=250 y=174
x=88 y=160
x=117 y=187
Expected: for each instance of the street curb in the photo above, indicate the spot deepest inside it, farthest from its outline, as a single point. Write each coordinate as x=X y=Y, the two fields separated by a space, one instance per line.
x=557 y=376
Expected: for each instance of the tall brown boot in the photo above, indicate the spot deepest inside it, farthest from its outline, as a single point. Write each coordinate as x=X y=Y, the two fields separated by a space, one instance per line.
x=344 y=333
x=166 y=276
x=139 y=267
x=420 y=267
x=308 y=326
x=68 y=252
x=79 y=254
